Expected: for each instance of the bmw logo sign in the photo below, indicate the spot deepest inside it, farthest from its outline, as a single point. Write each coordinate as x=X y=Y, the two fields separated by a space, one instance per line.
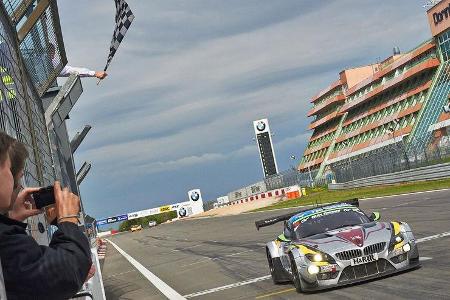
x=182 y=212
x=195 y=196
x=261 y=126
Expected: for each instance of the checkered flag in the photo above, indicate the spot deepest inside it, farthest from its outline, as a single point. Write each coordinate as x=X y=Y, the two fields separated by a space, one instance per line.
x=124 y=17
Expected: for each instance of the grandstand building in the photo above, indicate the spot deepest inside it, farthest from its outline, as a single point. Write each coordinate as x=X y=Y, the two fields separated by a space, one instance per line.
x=401 y=100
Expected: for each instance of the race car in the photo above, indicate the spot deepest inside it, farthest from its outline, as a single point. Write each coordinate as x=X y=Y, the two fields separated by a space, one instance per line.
x=336 y=245
x=136 y=228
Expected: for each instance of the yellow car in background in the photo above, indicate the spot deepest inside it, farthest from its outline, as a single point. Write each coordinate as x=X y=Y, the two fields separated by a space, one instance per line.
x=136 y=228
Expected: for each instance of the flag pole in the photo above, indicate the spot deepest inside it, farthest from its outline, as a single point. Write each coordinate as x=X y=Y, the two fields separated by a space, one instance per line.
x=124 y=17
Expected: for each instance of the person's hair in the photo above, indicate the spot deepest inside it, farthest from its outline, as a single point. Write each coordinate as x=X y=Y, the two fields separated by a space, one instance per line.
x=15 y=150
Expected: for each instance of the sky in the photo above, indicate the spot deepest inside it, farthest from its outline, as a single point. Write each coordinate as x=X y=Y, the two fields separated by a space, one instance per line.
x=176 y=111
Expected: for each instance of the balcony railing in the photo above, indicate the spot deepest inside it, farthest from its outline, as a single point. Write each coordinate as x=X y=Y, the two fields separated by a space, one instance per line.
x=322 y=106
x=427 y=64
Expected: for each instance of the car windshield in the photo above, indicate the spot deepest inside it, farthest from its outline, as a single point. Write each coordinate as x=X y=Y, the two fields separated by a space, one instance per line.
x=329 y=220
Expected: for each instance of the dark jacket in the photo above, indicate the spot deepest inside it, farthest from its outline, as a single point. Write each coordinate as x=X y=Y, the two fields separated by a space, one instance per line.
x=32 y=271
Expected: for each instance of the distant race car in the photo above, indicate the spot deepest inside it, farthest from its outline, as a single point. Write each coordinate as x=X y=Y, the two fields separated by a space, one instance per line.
x=152 y=223
x=136 y=228
x=337 y=244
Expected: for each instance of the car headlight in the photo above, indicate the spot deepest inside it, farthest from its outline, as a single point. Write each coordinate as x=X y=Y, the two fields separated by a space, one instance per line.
x=313 y=269
x=317 y=257
x=406 y=247
x=320 y=257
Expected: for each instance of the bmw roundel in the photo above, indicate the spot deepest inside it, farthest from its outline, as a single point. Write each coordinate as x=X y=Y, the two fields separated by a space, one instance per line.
x=182 y=212
x=195 y=196
x=261 y=126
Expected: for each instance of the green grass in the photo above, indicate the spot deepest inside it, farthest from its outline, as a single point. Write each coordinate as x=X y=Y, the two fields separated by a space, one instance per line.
x=323 y=195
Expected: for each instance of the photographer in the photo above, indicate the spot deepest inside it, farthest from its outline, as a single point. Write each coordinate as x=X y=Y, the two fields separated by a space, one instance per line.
x=32 y=271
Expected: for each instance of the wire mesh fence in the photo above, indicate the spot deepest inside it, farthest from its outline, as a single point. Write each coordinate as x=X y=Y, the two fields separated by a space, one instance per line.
x=389 y=159
x=392 y=158
x=22 y=116
x=43 y=53
x=291 y=177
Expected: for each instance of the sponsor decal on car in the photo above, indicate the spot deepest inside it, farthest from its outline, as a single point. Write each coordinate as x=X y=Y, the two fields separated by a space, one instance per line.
x=364 y=259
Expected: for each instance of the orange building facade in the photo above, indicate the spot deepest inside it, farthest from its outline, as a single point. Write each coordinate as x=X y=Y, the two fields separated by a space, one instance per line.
x=399 y=100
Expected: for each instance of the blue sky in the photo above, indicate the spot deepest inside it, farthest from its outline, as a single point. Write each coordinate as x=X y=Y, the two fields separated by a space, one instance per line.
x=177 y=108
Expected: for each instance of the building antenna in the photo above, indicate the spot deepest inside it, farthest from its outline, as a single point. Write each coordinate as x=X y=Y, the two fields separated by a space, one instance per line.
x=430 y=3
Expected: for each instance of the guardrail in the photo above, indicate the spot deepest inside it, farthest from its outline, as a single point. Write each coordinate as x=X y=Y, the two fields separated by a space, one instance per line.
x=438 y=171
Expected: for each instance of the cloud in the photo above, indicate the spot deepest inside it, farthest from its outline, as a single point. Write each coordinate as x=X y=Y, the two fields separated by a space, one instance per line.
x=190 y=77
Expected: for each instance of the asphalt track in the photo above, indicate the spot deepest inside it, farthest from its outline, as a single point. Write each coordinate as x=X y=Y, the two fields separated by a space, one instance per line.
x=224 y=258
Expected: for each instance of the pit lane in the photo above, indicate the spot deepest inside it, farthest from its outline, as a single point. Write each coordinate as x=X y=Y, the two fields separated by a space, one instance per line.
x=224 y=258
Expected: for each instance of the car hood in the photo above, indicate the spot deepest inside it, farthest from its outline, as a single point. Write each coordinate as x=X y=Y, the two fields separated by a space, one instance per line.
x=351 y=237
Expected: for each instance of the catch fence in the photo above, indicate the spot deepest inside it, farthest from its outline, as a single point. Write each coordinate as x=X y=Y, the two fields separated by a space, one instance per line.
x=392 y=158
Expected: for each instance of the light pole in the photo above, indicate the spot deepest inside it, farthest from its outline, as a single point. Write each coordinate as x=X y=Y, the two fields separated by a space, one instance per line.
x=292 y=159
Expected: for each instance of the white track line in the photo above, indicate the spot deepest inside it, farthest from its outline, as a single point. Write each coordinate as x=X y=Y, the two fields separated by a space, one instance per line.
x=406 y=194
x=166 y=290
x=423 y=258
x=433 y=237
x=250 y=281
x=226 y=287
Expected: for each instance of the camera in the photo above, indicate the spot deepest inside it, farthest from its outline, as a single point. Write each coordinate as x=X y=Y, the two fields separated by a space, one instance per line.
x=44 y=197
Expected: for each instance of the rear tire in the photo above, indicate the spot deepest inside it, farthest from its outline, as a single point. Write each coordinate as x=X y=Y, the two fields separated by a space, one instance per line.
x=276 y=268
x=296 y=279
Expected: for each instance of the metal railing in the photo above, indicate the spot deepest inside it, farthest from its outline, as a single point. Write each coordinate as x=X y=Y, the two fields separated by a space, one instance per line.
x=392 y=158
x=432 y=172
x=292 y=177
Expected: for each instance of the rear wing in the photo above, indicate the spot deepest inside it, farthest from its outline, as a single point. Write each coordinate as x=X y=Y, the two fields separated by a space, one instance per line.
x=285 y=217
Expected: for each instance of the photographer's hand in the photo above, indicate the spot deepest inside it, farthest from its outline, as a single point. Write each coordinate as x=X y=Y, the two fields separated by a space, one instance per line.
x=23 y=207
x=67 y=204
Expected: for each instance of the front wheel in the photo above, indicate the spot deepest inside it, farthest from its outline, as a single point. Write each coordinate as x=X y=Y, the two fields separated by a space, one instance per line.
x=295 y=276
x=276 y=268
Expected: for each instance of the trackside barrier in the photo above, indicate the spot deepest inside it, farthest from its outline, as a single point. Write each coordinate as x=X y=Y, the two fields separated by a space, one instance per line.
x=432 y=172
x=101 y=249
x=290 y=192
x=93 y=288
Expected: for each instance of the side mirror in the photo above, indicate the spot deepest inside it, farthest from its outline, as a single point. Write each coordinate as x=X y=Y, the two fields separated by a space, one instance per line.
x=375 y=216
x=286 y=231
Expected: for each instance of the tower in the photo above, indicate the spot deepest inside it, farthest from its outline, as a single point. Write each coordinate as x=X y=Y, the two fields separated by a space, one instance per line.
x=265 y=147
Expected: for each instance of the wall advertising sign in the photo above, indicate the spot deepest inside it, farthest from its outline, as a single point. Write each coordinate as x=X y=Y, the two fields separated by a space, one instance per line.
x=101 y=222
x=122 y=218
x=164 y=208
x=194 y=206
x=439 y=17
x=182 y=212
x=265 y=146
x=133 y=215
x=111 y=220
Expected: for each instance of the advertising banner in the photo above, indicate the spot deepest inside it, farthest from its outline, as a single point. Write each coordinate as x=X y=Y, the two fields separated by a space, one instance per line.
x=164 y=208
x=101 y=222
x=111 y=220
x=122 y=218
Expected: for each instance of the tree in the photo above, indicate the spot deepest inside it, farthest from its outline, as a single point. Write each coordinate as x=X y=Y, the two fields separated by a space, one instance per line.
x=159 y=218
